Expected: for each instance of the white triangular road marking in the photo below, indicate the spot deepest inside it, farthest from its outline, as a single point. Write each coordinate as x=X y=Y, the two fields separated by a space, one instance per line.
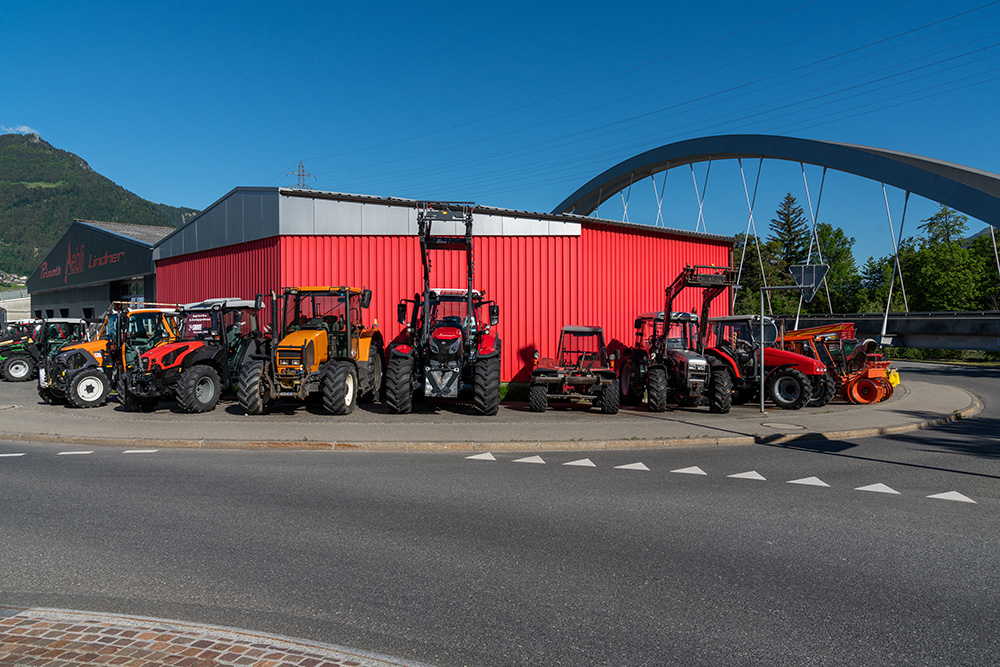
x=954 y=495
x=752 y=474
x=693 y=470
x=878 y=488
x=482 y=457
x=809 y=481
x=530 y=459
x=587 y=463
x=633 y=466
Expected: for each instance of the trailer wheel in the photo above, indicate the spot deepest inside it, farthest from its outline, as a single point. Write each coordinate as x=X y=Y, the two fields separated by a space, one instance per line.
x=18 y=368
x=89 y=389
x=340 y=388
x=720 y=398
x=486 y=394
x=251 y=390
x=789 y=388
x=198 y=389
x=656 y=392
x=399 y=384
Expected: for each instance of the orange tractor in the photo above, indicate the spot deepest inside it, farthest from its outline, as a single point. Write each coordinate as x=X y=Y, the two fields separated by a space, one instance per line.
x=861 y=375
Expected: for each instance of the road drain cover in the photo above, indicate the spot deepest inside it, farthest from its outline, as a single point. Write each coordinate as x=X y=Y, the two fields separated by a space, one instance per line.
x=795 y=427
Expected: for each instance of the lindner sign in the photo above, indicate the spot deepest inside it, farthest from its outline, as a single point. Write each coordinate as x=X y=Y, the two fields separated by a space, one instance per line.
x=88 y=255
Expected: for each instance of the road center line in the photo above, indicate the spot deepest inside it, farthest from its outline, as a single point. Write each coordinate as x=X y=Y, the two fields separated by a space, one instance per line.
x=73 y=453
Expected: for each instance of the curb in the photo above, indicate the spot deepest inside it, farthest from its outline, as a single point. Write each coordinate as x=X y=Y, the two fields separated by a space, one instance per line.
x=525 y=446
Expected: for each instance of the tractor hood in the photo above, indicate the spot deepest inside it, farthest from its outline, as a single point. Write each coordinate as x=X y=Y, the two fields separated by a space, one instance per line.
x=299 y=339
x=777 y=357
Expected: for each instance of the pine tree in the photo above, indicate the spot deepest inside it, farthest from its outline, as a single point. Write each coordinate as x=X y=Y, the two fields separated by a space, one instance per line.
x=944 y=226
x=789 y=233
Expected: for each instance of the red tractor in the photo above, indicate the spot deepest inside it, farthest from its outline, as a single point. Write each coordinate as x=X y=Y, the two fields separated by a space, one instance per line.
x=735 y=343
x=582 y=371
x=216 y=337
x=666 y=362
x=447 y=349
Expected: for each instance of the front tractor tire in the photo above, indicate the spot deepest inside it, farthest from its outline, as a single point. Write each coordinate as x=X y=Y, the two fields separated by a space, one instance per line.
x=790 y=389
x=89 y=389
x=538 y=397
x=720 y=392
x=486 y=394
x=340 y=388
x=399 y=384
x=51 y=396
x=251 y=390
x=656 y=391
x=198 y=389
x=608 y=400
x=18 y=367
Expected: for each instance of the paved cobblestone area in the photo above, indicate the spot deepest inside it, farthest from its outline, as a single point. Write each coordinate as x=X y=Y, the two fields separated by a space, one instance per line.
x=58 y=638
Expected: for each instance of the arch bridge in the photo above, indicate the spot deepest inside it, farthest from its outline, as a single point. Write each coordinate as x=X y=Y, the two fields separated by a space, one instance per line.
x=973 y=192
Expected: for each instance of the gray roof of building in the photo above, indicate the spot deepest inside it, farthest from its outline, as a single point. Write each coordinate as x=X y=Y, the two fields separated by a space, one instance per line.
x=148 y=234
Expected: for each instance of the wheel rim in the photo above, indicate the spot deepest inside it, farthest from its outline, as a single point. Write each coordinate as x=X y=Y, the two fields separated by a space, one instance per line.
x=787 y=390
x=866 y=390
x=18 y=368
x=90 y=388
x=349 y=390
x=205 y=390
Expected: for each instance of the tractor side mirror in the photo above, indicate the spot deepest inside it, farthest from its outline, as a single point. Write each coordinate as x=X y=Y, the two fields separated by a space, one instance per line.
x=494 y=315
x=638 y=323
x=258 y=302
x=366 y=298
x=401 y=313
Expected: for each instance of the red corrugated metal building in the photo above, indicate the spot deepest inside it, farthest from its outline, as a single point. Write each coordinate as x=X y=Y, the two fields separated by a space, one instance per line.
x=544 y=271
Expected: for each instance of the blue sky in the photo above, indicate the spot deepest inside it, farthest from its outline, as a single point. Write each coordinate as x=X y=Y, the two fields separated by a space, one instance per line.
x=514 y=104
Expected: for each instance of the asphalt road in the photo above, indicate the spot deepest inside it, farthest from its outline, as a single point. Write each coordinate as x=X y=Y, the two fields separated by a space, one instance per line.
x=457 y=561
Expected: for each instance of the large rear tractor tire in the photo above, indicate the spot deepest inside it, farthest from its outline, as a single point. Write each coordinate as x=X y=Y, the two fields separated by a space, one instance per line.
x=790 y=389
x=399 y=385
x=656 y=391
x=486 y=393
x=720 y=392
x=251 y=390
x=340 y=388
x=376 y=376
x=538 y=397
x=608 y=400
x=824 y=389
x=19 y=367
x=198 y=389
x=630 y=380
x=89 y=389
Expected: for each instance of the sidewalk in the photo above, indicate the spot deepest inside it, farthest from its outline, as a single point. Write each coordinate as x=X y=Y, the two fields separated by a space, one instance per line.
x=60 y=638
x=454 y=426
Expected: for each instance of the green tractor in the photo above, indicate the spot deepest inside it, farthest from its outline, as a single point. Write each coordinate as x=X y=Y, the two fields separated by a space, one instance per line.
x=32 y=343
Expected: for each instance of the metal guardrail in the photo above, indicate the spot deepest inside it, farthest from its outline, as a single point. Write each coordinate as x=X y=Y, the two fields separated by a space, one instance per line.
x=973 y=330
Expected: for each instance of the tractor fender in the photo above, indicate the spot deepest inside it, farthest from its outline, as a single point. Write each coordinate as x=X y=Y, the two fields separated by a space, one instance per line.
x=401 y=350
x=489 y=346
x=203 y=355
x=717 y=357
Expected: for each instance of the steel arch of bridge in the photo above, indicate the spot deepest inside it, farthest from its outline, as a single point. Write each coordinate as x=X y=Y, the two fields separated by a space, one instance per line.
x=971 y=191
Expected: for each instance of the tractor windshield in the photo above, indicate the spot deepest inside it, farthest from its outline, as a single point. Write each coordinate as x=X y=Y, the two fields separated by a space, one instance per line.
x=682 y=336
x=315 y=311
x=108 y=330
x=144 y=326
x=584 y=350
x=452 y=312
x=200 y=324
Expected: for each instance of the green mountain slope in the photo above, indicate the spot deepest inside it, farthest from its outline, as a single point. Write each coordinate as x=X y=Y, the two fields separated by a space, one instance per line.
x=43 y=189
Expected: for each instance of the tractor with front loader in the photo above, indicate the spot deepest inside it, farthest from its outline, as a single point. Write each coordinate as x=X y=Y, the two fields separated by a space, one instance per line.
x=448 y=349
x=320 y=345
x=215 y=339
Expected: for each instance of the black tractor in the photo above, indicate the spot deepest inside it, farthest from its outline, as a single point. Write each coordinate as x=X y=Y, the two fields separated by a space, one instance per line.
x=216 y=337
x=448 y=349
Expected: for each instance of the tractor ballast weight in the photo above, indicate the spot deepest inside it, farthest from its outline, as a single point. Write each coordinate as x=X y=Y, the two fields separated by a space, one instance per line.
x=204 y=361
x=446 y=350
x=319 y=345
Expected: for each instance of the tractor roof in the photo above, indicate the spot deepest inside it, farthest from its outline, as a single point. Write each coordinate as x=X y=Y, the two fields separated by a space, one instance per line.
x=326 y=289
x=453 y=292
x=582 y=331
x=65 y=320
x=211 y=304
x=675 y=316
